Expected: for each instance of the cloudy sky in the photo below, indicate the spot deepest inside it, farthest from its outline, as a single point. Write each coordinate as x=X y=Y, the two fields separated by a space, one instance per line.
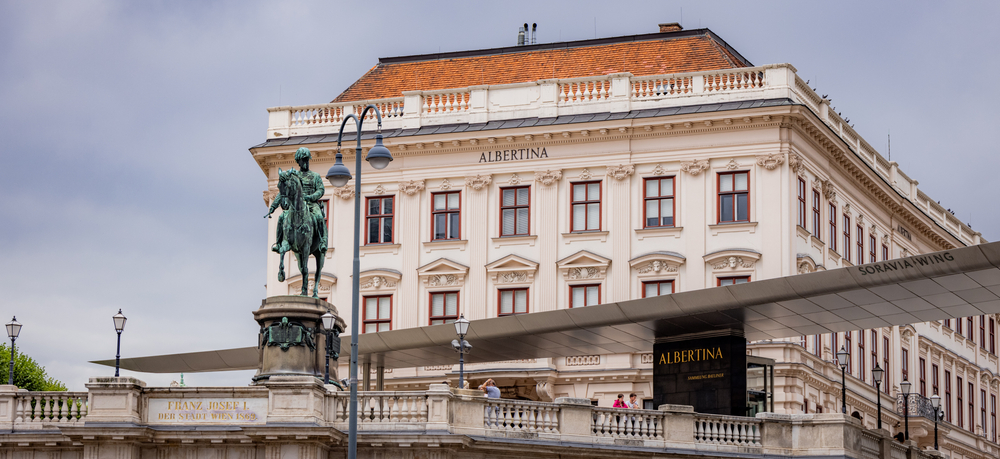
x=126 y=181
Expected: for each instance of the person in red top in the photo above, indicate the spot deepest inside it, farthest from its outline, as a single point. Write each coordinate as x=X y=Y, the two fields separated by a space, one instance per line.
x=620 y=402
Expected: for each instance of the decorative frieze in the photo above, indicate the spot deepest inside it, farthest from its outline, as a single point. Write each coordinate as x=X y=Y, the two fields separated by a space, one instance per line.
x=478 y=181
x=443 y=273
x=796 y=163
x=379 y=190
x=343 y=192
x=586 y=175
x=657 y=264
x=770 y=161
x=514 y=180
x=734 y=259
x=658 y=170
x=445 y=184
x=548 y=177
x=410 y=187
x=584 y=265
x=377 y=282
x=733 y=165
x=620 y=171
x=512 y=269
x=694 y=167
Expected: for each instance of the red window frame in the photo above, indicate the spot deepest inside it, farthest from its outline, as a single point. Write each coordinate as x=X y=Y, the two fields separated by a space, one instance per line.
x=958 y=326
x=447 y=211
x=658 y=199
x=960 y=414
x=971 y=328
x=816 y=215
x=847 y=237
x=444 y=317
x=972 y=407
x=734 y=194
x=875 y=352
x=947 y=395
x=659 y=287
x=325 y=205
x=861 y=245
x=935 y=373
x=572 y=288
x=379 y=219
x=993 y=416
x=982 y=409
x=923 y=376
x=817 y=345
x=850 y=352
x=833 y=227
x=802 y=202
x=871 y=248
x=378 y=320
x=573 y=203
x=732 y=280
x=515 y=208
x=861 y=355
x=993 y=336
x=513 y=303
x=885 y=365
x=885 y=252
x=905 y=365
x=982 y=332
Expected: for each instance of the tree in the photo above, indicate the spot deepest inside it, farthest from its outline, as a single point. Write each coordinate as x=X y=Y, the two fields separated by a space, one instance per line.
x=28 y=374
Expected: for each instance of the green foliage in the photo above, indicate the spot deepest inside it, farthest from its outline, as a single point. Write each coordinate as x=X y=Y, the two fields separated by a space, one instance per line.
x=28 y=374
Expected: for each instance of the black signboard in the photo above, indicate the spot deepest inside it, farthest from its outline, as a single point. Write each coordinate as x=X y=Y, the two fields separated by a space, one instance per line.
x=707 y=373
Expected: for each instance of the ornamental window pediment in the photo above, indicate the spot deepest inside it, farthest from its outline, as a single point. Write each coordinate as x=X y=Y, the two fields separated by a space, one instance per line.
x=443 y=273
x=326 y=283
x=732 y=260
x=512 y=269
x=584 y=265
x=805 y=264
x=379 y=281
x=657 y=264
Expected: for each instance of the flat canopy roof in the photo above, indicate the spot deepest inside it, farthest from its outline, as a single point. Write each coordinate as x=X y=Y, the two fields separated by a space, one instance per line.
x=953 y=283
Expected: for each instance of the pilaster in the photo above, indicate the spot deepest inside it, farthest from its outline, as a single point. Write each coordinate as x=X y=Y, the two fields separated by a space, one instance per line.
x=477 y=233
x=407 y=302
x=619 y=230
x=546 y=191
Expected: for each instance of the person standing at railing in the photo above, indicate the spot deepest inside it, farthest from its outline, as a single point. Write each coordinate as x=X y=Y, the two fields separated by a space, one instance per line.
x=620 y=402
x=632 y=402
x=490 y=388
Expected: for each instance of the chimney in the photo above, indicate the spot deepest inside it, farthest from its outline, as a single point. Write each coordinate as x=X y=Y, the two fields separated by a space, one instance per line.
x=670 y=27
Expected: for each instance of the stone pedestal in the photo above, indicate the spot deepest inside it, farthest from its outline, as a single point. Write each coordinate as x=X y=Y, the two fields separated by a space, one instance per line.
x=292 y=341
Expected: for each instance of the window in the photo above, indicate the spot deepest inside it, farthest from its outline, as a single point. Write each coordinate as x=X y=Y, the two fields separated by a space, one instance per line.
x=659 y=198
x=378 y=313
x=947 y=395
x=972 y=407
x=993 y=417
x=836 y=344
x=969 y=331
x=584 y=295
x=923 y=376
x=816 y=218
x=982 y=334
x=817 y=345
x=885 y=252
x=447 y=215
x=885 y=364
x=724 y=281
x=657 y=288
x=947 y=323
x=861 y=355
x=802 y=341
x=324 y=205
x=444 y=307
x=871 y=248
x=993 y=336
x=513 y=301
x=850 y=353
x=958 y=402
x=802 y=202
x=847 y=237
x=861 y=245
x=734 y=197
x=833 y=227
x=515 y=211
x=586 y=206
x=905 y=365
x=874 y=335
x=934 y=379
x=982 y=410
x=379 y=217
x=958 y=325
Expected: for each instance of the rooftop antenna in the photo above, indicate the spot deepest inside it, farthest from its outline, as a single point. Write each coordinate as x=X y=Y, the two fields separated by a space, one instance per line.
x=534 y=28
x=888 y=145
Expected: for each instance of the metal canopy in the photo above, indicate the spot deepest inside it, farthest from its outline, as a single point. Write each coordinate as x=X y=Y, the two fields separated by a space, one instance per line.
x=953 y=283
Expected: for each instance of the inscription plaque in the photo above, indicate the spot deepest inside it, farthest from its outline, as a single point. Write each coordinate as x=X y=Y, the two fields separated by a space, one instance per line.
x=207 y=410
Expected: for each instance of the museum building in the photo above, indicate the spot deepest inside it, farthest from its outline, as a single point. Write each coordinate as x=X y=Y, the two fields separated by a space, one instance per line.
x=565 y=175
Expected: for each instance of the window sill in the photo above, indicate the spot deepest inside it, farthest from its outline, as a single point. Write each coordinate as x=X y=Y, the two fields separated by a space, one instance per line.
x=329 y=252
x=833 y=255
x=514 y=240
x=738 y=227
x=448 y=244
x=802 y=232
x=816 y=243
x=671 y=231
x=378 y=248
x=585 y=236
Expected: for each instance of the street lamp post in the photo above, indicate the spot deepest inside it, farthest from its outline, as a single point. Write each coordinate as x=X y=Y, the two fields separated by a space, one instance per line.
x=329 y=321
x=877 y=376
x=936 y=403
x=842 y=357
x=339 y=175
x=13 y=329
x=905 y=388
x=462 y=346
x=119 y=327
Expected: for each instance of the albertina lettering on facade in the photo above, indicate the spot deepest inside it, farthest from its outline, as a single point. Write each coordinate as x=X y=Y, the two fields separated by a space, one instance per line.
x=513 y=155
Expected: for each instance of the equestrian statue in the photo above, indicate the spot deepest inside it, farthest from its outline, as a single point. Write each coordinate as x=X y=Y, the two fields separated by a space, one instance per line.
x=302 y=224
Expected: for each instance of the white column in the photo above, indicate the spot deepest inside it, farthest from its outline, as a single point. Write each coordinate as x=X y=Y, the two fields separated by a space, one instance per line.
x=619 y=231
x=407 y=223
x=477 y=233
x=547 y=211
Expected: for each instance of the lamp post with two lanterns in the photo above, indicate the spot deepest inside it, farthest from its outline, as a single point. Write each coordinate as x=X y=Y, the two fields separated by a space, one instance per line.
x=338 y=175
x=13 y=329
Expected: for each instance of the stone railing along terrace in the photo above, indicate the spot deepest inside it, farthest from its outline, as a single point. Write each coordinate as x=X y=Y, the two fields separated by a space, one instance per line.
x=614 y=93
x=291 y=410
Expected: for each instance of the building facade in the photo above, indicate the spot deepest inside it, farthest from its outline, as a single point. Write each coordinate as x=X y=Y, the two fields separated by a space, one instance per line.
x=607 y=170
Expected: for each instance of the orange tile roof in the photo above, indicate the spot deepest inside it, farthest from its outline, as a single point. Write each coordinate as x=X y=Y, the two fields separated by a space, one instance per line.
x=649 y=57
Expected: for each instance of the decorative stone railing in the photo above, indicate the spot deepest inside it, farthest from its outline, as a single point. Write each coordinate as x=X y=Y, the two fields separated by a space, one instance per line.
x=629 y=424
x=34 y=410
x=618 y=92
x=726 y=430
x=521 y=416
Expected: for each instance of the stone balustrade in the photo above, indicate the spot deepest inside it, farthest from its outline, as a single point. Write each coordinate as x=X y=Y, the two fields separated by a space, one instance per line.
x=120 y=417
